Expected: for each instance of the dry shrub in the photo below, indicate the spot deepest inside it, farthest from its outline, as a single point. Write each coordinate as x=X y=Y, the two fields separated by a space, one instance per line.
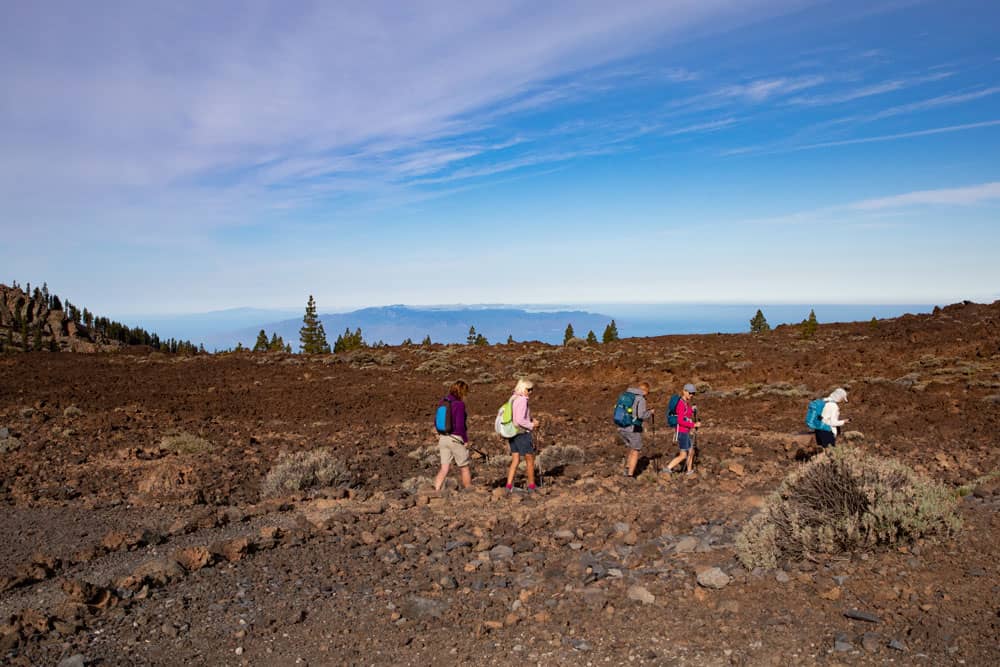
x=845 y=501
x=300 y=471
x=185 y=443
x=558 y=456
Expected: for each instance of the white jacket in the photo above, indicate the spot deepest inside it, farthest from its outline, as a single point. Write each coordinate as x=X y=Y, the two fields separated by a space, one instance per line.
x=831 y=416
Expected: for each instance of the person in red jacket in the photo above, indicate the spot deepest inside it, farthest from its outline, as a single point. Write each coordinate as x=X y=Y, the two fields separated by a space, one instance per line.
x=685 y=424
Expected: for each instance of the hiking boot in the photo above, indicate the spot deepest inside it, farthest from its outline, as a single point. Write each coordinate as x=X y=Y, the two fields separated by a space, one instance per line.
x=509 y=488
x=689 y=473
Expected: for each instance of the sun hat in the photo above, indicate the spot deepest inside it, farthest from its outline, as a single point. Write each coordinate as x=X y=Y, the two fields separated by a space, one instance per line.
x=690 y=388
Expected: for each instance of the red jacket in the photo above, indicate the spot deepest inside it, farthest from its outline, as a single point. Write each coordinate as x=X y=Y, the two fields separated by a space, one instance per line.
x=685 y=417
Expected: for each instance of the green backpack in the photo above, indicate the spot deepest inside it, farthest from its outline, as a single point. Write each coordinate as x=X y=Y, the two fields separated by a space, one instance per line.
x=504 y=424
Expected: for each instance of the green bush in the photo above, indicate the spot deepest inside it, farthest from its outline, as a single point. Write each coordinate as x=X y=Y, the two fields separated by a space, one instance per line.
x=845 y=501
x=185 y=443
x=300 y=471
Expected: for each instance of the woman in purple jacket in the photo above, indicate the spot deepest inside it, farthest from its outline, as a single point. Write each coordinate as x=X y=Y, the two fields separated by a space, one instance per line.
x=454 y=446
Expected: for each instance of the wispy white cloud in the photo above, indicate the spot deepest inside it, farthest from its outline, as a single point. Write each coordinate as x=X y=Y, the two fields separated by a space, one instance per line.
x=880 y=88
x=966 y=196
x=891 y=137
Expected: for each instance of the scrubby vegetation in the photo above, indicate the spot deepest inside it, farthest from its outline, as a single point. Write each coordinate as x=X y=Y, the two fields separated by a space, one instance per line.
x=560 y=456
x=185 y=443
x=846 y=501
x=300 y=471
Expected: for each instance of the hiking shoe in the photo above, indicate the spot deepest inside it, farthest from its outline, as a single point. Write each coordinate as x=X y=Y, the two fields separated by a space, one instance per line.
x=510 y=489
x=689 y=473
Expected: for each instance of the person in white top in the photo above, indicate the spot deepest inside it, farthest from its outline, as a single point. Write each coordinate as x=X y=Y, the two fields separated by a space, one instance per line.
x=831 y=417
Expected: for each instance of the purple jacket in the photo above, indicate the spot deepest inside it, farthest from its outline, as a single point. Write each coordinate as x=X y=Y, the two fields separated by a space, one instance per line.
x=458 y=417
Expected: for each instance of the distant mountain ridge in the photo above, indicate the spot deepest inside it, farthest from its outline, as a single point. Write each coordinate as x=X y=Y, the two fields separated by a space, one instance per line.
x=394 y=324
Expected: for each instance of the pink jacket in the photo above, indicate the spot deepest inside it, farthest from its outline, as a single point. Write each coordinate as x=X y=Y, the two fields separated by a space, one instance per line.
x=685 y=417
x=522 y=415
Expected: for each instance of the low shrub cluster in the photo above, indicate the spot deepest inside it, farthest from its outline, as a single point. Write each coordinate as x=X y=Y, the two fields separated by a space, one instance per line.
x=299 y=471
x=560 y=456
x=185 y=443
x=846 y=501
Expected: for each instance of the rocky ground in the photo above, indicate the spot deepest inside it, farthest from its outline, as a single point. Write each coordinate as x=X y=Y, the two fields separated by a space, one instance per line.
x=136 y=531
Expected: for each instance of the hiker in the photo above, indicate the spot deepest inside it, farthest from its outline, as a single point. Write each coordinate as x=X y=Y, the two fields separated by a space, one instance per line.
x=635 y=412
x=453 y=442
x=522 y=444
x=685 y=424
x=831 y=418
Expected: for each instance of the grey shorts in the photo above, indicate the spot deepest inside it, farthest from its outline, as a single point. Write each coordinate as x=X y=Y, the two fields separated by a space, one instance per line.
x=631 y=439
x=452 y=448
x=522 y=444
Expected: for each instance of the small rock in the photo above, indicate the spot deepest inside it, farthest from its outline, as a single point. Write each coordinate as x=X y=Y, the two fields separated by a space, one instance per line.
x=713 y=577
x=686 y=545
x=73 y=661
x=501 y=552
x=859 y=615
x=840 y=579
x=782 y=577
x=5 y=433
x=841 y=644
x=640 y=594
x=871 y=642
x=897 y=645
x=832 y=594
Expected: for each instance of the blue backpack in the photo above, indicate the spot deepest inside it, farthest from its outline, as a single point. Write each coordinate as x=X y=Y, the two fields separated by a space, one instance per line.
x=672 y=410
x=442 y=416
x=623 y=414
x=814 y=415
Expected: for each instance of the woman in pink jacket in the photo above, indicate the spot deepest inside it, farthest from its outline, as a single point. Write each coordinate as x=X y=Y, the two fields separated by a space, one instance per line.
x=522 y=444
x=685 y=424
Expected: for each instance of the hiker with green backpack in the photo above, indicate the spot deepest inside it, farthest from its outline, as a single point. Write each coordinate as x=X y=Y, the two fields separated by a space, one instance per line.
x=515 y=423
x=630 y=412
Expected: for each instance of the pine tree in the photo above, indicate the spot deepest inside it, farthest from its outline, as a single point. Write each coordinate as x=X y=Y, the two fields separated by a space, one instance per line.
x=568 y=333
x=510 y=339
x=480 y=340
x=610 y=333
x=759 y=325
x=37 y=345
x=426 y=341
x=277 y=344
x=24 y=335
x=591 y=338
x=810 y=325
x=312 y=336
x=874 y=323
x=349 y=341
x=261 y=344
x=471 y=338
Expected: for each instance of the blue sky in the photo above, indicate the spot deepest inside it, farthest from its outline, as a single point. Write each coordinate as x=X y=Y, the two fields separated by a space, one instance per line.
x=183 y=157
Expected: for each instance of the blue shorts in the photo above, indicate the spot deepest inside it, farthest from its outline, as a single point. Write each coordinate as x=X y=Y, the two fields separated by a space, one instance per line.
x=684 y=441
x=522 y=444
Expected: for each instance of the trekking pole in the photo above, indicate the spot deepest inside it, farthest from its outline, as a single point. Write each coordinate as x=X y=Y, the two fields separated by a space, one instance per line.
x=654 y=458
x=538 y=451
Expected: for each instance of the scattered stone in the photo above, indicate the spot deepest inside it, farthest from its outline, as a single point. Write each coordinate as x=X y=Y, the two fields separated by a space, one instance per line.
x=422 y=608
x=9 y=444
x=501 y=552
x=859 y=615
x=73 y=661
x=840 y=579
x=4 y=432
x=737 y=469
x=897 y=645
x=975 y=572
x=832 y=594
x=686 y=545
x=713 y=577
x=640 y=594
x=871 y=642
x=842 y=644
x=782 y=577
x=193 y=559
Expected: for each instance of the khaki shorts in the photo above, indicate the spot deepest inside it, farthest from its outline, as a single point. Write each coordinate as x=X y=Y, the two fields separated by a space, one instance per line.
x=452 y=448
